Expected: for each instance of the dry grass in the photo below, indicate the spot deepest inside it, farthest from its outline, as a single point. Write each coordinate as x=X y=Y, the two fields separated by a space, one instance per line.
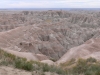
x=8 y=59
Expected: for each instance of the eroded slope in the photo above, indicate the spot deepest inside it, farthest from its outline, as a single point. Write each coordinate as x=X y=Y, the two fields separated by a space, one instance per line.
x=47 y=34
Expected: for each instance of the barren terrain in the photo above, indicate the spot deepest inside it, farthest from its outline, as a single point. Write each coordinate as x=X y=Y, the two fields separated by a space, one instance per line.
x=49 y=36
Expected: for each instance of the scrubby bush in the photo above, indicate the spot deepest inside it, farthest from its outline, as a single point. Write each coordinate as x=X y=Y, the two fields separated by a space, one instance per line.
x=4 y=63
x=85 y=67
x=80 y=67
x=28 y=66
x=22 y=63
x=45 y=68
x=10 y=59
x=89 y=66
x=91 y=60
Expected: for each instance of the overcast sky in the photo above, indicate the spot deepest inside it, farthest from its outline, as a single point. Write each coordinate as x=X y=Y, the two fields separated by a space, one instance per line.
x=49 y=3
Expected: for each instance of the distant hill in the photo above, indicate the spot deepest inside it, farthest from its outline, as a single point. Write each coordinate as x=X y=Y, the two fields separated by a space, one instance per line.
x=47 y=35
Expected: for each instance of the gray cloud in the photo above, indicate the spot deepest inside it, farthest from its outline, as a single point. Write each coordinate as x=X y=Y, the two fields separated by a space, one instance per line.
x=50 y=3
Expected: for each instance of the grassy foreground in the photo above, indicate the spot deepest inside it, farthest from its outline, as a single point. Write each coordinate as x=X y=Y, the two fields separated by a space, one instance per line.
x=8 y=59
x=89 y=66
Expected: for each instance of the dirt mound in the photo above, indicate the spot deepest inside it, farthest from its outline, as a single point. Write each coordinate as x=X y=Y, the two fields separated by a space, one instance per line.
x=90 y=48
x=49 y=62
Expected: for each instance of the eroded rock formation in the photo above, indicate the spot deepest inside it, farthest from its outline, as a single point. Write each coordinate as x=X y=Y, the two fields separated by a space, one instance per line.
x=47 y=34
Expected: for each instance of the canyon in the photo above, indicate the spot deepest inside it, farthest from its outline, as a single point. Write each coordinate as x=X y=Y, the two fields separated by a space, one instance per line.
x=53 y=36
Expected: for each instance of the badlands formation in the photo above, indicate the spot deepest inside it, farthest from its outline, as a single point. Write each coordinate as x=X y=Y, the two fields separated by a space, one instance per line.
x=49 y=36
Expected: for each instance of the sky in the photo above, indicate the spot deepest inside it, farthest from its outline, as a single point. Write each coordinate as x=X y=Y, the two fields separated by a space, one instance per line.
x=49 y=3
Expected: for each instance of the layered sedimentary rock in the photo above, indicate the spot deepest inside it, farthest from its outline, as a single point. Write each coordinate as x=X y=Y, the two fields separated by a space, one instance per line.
x=47 y=34
x=90 y=48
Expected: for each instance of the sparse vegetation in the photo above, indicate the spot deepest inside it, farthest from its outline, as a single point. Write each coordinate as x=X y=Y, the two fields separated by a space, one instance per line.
x=89 y=66
x=22 y=63
x=91 y=60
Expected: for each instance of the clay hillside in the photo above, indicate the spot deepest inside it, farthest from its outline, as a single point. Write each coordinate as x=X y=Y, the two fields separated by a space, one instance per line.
x=50 y=36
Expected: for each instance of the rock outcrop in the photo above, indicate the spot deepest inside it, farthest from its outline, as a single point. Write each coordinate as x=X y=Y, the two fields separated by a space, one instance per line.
x=90 y=48
x=48 y=34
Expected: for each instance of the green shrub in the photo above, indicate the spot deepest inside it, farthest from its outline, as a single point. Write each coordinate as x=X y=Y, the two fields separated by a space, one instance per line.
x=91 y=60
x=89 y=73
x=60 y=71
x=45 y=68
x=5 y=63
x=28 y=66
x=80 y=67
x=18 y=63
x=97 y=73
x=22 y=64
x=83 y=67
x=13 y=57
